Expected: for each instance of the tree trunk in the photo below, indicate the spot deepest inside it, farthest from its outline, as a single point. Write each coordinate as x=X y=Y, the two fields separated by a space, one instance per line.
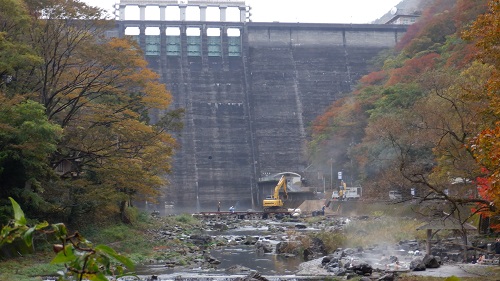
x=123 y=213
x=465 y=240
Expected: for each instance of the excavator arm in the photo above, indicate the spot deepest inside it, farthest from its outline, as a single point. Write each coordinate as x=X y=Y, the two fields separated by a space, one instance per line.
x=281 y=184
x=275 y=202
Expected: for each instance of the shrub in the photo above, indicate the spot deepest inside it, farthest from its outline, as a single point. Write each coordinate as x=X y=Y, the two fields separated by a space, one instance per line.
x=331 y=240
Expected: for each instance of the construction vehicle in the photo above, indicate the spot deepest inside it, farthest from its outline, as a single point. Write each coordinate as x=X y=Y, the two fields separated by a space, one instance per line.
x=273 y=203
x=346 y=193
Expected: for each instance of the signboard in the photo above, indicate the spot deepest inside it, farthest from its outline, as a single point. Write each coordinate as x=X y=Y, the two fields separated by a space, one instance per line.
x=340 y=175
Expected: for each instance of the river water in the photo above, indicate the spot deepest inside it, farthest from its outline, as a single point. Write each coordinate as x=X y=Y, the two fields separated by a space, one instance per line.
x=239 y=255
x=266 y=264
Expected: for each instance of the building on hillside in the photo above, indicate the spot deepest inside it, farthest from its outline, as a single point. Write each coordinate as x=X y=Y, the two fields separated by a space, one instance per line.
x=403 y=19
x=405 y=13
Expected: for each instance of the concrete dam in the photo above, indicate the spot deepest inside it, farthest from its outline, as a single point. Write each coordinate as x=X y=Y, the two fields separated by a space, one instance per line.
x=250 y=93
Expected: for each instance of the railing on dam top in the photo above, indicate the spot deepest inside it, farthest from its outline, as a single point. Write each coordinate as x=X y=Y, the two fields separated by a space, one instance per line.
x=236 y=3
x=241 y=10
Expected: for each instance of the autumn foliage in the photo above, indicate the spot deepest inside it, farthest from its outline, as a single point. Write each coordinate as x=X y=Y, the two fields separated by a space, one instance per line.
x=412 y=68
x=486 y=146
x=97 y=91
x=373 y=78
x=429 y=117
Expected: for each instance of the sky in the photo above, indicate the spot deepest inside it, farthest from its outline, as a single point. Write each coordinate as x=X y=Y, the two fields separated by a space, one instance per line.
x=315 y=11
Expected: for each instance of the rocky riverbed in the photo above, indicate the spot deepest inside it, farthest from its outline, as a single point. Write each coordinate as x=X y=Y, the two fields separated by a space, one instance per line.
x=188 y=254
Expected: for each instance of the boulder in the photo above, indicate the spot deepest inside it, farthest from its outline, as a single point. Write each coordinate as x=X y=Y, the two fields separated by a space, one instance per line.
x=288 y=247
x=417 y=265
x=339 y=253
x=238 y=269
x=431 y=261
x=326 y=260
x=316 y=250
x=201 y=240
x=211 y=260
x=254 y=276
x=220 y=226
x=264 y=247
x=363 y=269
x=251 y=240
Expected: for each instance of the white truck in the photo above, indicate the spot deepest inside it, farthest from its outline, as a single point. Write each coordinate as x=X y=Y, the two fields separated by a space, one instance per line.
x=347 y=193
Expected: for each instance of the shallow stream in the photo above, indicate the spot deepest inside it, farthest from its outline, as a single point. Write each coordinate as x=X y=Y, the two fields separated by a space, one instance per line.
x=239 y=255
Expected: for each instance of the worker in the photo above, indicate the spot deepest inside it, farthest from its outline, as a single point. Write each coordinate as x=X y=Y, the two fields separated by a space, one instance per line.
x=231 y=209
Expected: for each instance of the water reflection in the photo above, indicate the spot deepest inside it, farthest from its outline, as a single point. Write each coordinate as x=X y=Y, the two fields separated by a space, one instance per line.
x=247 y=256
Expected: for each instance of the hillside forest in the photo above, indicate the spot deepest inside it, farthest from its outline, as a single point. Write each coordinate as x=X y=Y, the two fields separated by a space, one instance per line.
x=426 y=118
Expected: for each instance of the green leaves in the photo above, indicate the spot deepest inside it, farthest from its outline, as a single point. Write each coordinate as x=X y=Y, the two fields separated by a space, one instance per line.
x=26 y=139
x=60 y=230
x=81 y=259
x=65 y=256
x=95 y=263
x=19 y=219
x=112 y=253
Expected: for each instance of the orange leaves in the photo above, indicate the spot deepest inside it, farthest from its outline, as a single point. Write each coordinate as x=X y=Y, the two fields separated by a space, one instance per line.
x=412 y=68
x=417 y=115
x=335 y=117
x=467 y=10
x=487 y=148
x=485 y=32
x=132 y=75
x=462 y=56
x=373 y=78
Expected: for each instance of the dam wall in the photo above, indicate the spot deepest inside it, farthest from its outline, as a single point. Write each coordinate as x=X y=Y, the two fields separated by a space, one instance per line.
x=250 y=97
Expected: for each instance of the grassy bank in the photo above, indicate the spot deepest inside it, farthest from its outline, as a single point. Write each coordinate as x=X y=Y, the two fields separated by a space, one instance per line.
x=134 y=240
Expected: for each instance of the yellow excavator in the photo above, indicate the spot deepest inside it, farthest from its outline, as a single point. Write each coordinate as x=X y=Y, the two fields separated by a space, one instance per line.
x=273 y=203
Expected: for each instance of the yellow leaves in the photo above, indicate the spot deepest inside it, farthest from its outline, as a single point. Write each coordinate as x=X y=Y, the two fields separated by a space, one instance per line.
x=486 y=33
x=486 y=146
x=157 y=96
x=128 y=50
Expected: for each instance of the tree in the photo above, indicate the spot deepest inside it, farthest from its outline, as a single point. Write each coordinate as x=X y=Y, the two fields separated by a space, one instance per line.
x=486 y=147
x=412 y=68
x=26 y=138
x=101 y=92
x=428 y=140
x=427 y=143
x=14 y=54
